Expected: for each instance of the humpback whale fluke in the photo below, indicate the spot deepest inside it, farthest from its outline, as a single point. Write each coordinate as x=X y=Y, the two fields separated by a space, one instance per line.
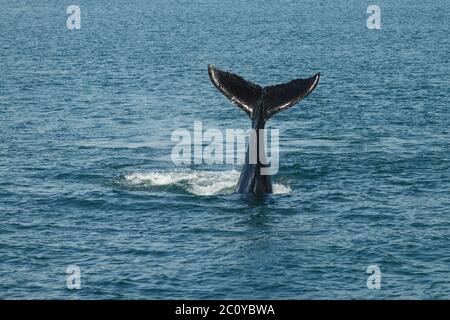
x=260 y=103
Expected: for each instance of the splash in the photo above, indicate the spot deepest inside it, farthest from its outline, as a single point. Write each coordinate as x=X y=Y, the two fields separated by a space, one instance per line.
x=281 y=189
x=197 y=182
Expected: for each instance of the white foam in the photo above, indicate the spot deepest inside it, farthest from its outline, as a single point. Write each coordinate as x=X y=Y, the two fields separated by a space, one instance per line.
x=157 y=178
x=195 y=181
x=281 y=189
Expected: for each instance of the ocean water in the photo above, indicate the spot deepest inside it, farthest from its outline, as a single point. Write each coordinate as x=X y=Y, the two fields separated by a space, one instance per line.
x=86 y=177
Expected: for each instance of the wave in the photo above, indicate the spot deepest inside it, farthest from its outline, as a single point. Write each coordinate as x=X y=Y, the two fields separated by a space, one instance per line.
x=197 y=182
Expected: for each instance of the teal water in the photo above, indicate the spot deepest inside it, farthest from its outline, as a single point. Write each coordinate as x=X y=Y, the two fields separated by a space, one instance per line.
x=85 y=172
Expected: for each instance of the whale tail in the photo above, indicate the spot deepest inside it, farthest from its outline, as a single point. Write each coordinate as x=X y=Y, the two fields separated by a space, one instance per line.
x=275 y=98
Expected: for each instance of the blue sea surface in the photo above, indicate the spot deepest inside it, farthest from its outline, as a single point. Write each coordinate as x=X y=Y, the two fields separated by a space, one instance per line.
x=86 y=176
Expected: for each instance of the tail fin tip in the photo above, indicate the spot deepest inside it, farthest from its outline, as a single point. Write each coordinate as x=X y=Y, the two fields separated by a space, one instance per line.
x=241 y=92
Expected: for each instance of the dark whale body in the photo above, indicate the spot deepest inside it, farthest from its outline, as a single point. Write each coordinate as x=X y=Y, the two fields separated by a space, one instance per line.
x=260 y=103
